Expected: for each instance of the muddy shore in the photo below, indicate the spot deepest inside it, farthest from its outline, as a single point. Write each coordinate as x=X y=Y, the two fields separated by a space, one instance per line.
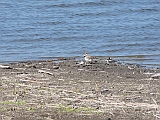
x=68 y=89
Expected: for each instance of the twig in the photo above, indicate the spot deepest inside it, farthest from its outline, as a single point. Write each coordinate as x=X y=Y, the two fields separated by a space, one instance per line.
x=154 y=101
x=123 y=110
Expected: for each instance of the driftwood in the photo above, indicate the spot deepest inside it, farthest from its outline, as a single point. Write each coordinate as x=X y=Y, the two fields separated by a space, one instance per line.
x=156 y=76
x=5 y=67
x=47 y=72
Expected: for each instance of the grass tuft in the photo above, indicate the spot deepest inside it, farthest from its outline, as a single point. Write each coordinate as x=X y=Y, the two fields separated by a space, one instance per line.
x=13 y=103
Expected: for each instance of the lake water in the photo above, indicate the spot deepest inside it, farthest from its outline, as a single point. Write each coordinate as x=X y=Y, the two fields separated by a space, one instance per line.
x=127 y=30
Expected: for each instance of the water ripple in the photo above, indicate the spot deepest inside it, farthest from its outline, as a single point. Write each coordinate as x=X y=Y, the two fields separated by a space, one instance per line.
x=35 y=29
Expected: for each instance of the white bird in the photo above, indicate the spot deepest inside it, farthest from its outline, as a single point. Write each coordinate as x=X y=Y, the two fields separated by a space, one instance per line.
x=87 y=57
x=109 y=60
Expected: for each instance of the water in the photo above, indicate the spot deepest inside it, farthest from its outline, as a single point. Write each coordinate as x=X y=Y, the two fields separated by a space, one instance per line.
x=126 y=30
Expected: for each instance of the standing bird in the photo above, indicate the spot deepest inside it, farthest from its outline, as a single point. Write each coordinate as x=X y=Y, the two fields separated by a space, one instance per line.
x=110 y=60
x=87 y=57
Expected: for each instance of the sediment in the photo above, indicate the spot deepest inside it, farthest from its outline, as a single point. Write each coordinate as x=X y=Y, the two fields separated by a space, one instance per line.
x=68 y=90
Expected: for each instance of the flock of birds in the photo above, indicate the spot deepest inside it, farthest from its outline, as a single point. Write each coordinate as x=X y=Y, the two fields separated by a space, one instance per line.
x=89 y=59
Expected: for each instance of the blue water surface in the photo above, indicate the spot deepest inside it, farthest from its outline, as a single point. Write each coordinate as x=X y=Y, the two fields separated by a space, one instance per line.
x=43 y=29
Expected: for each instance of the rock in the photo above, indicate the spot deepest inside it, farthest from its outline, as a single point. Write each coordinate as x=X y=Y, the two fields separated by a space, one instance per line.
x=62 y=58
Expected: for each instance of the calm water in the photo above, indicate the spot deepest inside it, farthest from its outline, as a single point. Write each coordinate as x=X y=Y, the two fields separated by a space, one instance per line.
x=128 y=30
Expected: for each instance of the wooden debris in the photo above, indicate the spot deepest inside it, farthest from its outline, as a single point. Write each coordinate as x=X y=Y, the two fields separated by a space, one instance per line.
x=5 y=67
x=55 y=67
x=47 y=72
x=156 y=76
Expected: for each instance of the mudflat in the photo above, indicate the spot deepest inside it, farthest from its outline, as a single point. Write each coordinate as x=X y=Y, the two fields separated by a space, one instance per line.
x=74 y=90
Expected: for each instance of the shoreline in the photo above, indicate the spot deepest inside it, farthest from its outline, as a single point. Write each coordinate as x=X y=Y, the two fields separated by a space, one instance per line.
x=125 y=60
x=64 y=89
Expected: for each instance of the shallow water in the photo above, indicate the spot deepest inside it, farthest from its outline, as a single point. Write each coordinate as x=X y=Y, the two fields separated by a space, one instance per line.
x=39 y=29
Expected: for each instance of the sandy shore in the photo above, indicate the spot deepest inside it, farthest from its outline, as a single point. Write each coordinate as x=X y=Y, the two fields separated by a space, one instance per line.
x=67 y=90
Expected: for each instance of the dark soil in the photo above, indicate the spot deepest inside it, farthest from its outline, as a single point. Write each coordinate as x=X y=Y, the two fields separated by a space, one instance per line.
x=67 y=90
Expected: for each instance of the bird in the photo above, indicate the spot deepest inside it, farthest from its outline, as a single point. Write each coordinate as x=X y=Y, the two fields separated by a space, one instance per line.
x=110 y=60
x=87 y=57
